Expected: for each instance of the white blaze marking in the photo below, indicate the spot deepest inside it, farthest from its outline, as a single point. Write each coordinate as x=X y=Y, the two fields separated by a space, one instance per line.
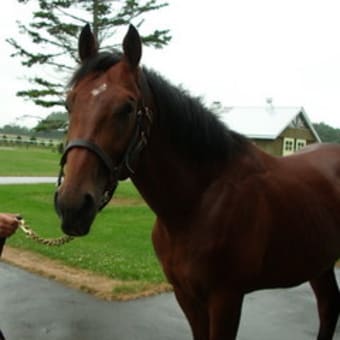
x=99 y=90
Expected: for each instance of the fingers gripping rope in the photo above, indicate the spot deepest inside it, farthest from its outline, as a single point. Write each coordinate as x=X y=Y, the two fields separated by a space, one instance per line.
x=46 y=241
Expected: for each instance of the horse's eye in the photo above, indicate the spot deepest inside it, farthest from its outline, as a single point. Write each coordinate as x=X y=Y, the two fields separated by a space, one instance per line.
x=125 y=109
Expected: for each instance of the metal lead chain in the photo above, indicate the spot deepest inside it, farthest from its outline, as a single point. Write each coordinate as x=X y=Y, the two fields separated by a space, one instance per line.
x=46 y=241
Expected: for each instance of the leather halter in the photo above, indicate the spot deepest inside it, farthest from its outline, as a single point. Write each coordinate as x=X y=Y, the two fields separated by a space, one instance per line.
x=135 y=146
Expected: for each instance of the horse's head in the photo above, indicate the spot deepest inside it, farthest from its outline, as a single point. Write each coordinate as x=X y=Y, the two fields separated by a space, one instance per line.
x=106 y=129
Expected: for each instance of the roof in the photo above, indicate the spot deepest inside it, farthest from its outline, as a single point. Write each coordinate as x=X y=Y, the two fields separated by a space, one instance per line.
x=266 y=122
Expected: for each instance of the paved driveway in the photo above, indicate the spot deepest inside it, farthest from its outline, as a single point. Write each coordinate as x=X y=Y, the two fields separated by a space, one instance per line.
x=26 y=180
x=36 y=308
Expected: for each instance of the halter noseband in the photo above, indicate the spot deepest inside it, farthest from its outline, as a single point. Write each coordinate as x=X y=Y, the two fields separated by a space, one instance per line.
x=135 y=146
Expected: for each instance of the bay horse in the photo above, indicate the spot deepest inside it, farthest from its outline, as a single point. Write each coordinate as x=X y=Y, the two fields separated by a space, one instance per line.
x=230 y=219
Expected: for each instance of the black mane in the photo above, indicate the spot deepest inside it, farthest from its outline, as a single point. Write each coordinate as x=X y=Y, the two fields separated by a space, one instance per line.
x=191 y=128
x=100 y=63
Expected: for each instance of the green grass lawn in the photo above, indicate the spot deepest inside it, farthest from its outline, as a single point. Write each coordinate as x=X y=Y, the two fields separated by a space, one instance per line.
x=32 y=161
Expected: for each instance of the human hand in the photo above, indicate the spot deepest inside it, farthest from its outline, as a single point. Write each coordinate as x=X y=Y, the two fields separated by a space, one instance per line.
x=8 y=224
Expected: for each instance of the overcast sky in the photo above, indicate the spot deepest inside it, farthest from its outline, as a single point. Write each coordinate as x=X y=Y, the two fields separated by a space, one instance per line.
x=238 y=52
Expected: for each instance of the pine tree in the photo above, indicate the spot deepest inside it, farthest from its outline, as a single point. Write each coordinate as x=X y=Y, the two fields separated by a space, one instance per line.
x=54 y=31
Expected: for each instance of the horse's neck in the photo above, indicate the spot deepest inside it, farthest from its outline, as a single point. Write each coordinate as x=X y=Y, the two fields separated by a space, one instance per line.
x=169 y=183
x=174 y=186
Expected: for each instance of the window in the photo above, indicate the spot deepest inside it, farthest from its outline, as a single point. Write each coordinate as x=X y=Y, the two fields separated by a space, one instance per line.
x=288 y=146
x=300 y=143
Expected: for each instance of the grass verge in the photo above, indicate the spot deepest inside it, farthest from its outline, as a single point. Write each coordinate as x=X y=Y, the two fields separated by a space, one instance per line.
x=28 y=162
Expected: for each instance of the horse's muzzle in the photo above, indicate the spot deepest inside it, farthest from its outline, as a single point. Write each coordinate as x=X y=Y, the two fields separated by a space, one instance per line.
x=76 y=213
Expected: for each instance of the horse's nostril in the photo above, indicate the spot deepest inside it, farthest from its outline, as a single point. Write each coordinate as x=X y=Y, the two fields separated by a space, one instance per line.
x=88 y=202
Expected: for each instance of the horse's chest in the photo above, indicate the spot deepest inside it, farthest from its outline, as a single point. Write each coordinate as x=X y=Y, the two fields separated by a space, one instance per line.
x=183 y=264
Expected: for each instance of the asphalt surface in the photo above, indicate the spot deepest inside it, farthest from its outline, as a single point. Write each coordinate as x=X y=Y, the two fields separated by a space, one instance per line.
x=36 y=308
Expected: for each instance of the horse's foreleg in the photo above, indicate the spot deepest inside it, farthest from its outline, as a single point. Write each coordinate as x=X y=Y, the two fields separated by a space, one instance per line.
x=328 y=300
x=196 y=314
x=224 y=315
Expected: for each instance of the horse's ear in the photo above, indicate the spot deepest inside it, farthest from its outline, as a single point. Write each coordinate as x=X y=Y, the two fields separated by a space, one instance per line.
x=132 y=46
x=87 y=44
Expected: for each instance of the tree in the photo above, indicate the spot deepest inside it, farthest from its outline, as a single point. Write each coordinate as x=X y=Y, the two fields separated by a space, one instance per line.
x=54 y=121
x=54 y=30
x=327 y=133
x=13 y=129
